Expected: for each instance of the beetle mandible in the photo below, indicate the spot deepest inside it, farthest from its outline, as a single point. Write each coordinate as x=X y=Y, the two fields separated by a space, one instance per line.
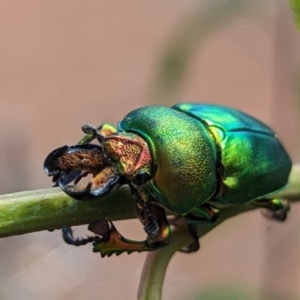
x=188 y=158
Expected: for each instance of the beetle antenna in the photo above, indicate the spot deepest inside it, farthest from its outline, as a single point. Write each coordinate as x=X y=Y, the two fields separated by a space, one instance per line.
x=91 y=129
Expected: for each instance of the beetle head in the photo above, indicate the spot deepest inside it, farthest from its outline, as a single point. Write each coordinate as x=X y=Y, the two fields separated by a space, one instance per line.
x=120 y=158
x=131 y=155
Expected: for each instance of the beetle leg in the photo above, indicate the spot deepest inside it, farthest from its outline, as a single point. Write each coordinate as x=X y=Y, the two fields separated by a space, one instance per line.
x=148 y=219
x=192 y=228
x=276 y=209
x=155 y=224
x=206 y=213
x=153 y=218
x=195 y=245
x=113 y=242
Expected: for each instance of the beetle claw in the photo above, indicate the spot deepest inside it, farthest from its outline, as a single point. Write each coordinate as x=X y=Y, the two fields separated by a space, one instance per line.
x=279 y=215
x=194 y=247
x=274 y=209
x=69 y=238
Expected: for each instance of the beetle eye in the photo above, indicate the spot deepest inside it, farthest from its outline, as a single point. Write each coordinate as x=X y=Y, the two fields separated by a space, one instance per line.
x=141 y=177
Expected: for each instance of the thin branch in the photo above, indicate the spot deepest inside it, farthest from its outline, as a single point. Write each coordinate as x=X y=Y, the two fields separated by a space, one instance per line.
x=38 y=210
x=156 y=263
x=51 y=208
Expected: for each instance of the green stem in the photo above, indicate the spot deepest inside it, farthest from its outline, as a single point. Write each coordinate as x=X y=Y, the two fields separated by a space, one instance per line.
x=156 y=263
x=37 y=210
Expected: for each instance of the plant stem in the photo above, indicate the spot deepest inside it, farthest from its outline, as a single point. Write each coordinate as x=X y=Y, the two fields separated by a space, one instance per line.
x=156 y=263
x=37 y=210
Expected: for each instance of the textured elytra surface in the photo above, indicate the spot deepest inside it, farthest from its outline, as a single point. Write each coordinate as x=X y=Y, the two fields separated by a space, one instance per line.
x=253 y=162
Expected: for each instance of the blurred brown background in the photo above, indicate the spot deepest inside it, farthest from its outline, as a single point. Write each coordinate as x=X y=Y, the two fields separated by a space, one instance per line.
x=64 y=63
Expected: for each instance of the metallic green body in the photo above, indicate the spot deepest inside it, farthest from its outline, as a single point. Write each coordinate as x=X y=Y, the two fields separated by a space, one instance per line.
x=208 y=152
x=184 y=156
x=253 y=162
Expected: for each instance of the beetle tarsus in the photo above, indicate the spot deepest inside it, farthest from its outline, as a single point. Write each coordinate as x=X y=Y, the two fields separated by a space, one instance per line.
x=278 y=215
x=274 y=209
x=151 y=226
x=68 y=237
x=206 y=213
x=195 y=245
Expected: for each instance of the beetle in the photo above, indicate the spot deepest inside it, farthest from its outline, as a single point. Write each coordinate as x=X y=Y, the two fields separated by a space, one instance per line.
x=189 y=158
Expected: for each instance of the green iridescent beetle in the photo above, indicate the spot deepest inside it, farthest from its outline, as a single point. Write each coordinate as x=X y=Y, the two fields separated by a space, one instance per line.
x=189 y=159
